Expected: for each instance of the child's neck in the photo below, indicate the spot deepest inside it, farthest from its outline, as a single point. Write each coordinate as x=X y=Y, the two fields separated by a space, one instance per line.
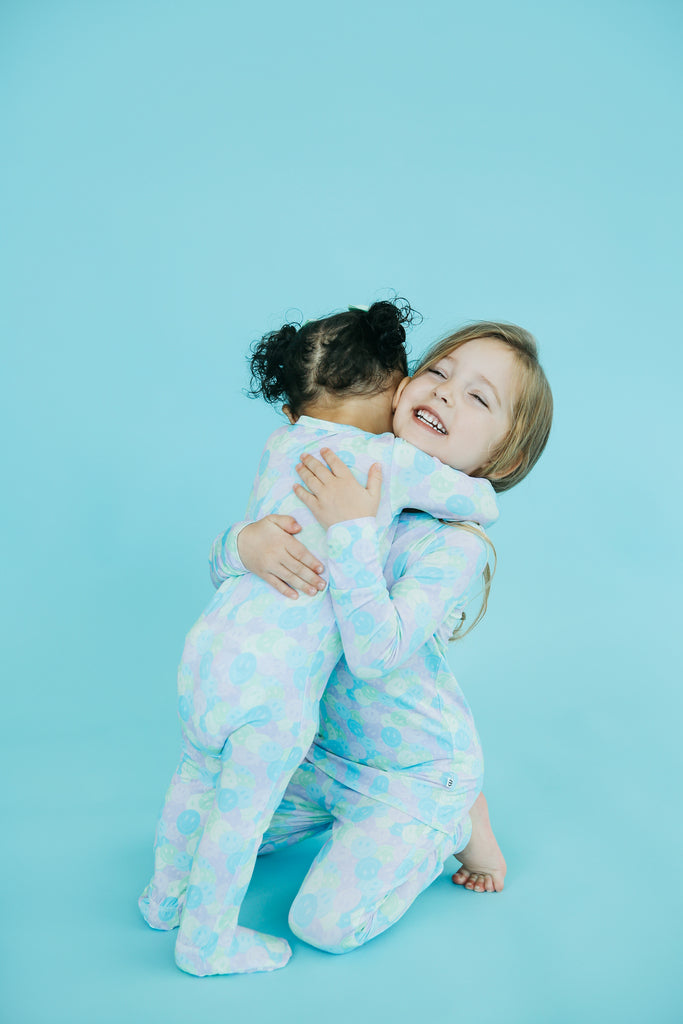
x=371 y=413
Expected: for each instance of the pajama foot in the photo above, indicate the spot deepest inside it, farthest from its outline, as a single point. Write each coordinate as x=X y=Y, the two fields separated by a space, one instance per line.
x=162 y=914
x=483 y=865
x=249 y=951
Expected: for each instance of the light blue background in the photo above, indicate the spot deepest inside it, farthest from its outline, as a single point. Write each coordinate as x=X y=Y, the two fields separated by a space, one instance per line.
x=176 y=179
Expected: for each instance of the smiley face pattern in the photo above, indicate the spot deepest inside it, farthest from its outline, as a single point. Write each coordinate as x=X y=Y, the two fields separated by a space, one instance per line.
x=249 y=685
x=396 y=763
x=394 y=722
x=373 y=864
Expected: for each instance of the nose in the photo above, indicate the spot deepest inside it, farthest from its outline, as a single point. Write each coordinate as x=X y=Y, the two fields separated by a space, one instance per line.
x=442 y=393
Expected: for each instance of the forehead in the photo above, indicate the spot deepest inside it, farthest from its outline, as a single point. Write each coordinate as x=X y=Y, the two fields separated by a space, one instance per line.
x=488 y=350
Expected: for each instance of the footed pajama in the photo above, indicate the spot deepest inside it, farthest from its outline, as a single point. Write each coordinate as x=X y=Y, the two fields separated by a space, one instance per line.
x=374 y=863
x=250 y=680
x=397 y=763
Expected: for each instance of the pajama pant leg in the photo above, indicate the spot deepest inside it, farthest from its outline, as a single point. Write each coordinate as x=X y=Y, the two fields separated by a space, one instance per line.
x=257 y=762
x=375 y=864
x=248 y=700
x=186 y=807
x=300 y=815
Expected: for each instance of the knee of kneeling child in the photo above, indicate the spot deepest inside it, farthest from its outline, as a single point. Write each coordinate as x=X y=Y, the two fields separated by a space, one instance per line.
x=308 y=926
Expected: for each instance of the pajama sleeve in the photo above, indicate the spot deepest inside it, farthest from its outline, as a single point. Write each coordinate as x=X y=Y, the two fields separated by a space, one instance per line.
x=420 y=481
x=382 y=628
x=224 y=560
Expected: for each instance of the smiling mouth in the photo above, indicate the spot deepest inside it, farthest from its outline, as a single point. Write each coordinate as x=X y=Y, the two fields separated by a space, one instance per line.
x=430 y=420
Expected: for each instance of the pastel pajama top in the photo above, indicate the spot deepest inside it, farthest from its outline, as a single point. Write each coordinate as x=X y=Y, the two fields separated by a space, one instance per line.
x=259 y=629
x=394 y=724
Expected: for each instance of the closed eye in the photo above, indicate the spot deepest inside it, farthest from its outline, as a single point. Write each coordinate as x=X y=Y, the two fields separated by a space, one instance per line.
x=433 y=369
x=479 y=399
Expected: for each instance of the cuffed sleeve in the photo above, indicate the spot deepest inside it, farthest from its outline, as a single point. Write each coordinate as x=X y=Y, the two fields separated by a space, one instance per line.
x=225 y=560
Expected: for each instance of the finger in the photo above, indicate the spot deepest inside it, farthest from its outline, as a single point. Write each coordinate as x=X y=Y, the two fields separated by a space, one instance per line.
x=295 y=581
x=286 y=523
x=316 y=467
x=308 y=499
x=338 y=467
x=290 y=577
x=280 y=586
x=374 y=484
x=312 y=482
x=296 y=550
x=297 y=575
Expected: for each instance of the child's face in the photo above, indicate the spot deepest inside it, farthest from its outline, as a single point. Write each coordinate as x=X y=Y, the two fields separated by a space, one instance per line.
x=461 y=408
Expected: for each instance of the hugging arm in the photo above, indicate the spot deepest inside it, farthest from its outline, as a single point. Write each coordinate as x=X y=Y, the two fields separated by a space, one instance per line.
x=382 y=627
x=269 y=549
x=415 y=480
x=420 y=481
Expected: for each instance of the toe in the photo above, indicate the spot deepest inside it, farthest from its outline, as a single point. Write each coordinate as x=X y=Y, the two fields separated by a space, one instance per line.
x=461 y=876
x=489 y=886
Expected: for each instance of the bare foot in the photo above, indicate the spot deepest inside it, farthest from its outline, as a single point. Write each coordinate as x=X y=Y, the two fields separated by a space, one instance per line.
x=483 y=865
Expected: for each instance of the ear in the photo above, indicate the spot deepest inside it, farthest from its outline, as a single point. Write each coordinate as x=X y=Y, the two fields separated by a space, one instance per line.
x=289 y=414
x=399 y=391
x=508 y=469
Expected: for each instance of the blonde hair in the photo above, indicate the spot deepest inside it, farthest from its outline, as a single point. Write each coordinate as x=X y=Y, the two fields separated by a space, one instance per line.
x=531 y=417
x=487 y=574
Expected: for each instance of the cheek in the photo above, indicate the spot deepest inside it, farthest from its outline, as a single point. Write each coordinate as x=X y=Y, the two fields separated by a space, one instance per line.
x=399 y=392
x=402 y=409
x=501 y=430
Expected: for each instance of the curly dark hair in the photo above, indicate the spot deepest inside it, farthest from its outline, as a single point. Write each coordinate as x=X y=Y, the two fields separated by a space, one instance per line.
x=351 y=353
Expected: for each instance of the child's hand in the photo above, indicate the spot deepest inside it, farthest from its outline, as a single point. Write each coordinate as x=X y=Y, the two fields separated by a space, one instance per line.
x=333 y=493
x=268 y=549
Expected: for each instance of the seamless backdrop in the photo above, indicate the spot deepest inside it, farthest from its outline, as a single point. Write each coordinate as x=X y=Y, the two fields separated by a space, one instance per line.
x=179 y=178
